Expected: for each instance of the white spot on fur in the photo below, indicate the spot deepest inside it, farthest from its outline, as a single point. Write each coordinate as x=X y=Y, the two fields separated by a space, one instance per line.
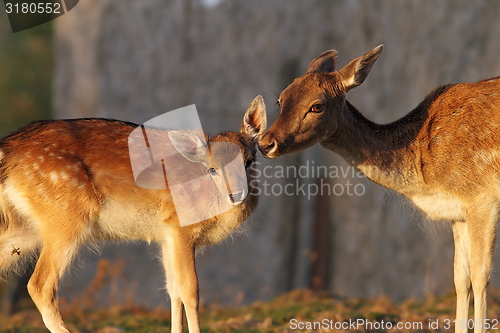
x=79 y=185
x=73 y=167
x=54 y=176
x=436 y=140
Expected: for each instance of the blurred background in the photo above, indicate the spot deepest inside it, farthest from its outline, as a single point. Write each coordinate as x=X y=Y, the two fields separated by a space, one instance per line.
x=133 y=60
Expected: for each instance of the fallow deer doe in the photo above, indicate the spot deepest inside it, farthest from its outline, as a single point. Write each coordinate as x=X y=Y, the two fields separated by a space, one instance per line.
x=444 y=156
x=68 y=183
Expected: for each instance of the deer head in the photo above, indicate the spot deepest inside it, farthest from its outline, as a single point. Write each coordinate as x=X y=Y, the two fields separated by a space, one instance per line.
x=310 y=107
x=222 y=165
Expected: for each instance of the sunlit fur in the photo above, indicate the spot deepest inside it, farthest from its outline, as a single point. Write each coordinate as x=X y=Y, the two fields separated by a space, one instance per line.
x=69 y=183
x=444 y=156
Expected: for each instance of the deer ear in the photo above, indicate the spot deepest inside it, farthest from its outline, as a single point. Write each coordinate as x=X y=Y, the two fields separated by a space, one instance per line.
x=255 y=120
x=325 y=63
x=355 y=72
x=189 y=145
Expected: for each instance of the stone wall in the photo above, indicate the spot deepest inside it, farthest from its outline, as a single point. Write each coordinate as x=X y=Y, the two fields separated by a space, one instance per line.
x=134 y=60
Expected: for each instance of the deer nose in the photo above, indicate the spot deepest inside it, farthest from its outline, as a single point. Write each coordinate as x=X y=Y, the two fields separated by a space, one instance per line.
x=238 y=197
x=268 y=150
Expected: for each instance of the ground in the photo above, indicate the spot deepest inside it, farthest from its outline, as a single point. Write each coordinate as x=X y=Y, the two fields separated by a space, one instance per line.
x=296 y=311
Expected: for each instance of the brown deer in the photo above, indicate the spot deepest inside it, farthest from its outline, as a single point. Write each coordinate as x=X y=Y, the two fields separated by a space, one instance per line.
x=444 y=156
x=68 y=183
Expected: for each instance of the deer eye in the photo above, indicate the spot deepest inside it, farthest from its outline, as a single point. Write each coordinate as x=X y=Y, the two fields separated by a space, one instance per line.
x=317 y=108
x=212 y=171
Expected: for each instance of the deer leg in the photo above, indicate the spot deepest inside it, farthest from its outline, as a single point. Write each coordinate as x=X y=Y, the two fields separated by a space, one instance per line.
x=461 y=269
x=43 y=284
x=173 y=292
x=482 y=237
x=181 y=253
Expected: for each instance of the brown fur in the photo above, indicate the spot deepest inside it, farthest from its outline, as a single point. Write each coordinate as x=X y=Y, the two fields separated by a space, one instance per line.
x=68 y=183
x=444 y=156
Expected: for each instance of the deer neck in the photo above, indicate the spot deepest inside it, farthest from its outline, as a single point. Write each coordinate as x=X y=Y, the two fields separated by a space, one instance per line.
x=387 y=154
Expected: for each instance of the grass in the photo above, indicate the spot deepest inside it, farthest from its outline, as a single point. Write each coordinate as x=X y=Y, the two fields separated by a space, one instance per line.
x=273 y=316
x=295 y=309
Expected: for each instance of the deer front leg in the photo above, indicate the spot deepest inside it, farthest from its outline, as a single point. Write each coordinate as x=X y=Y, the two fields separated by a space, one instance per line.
x=181 y=263
x=461 y=267
x=482 y=237
x=43 y=284
x=173 y=291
